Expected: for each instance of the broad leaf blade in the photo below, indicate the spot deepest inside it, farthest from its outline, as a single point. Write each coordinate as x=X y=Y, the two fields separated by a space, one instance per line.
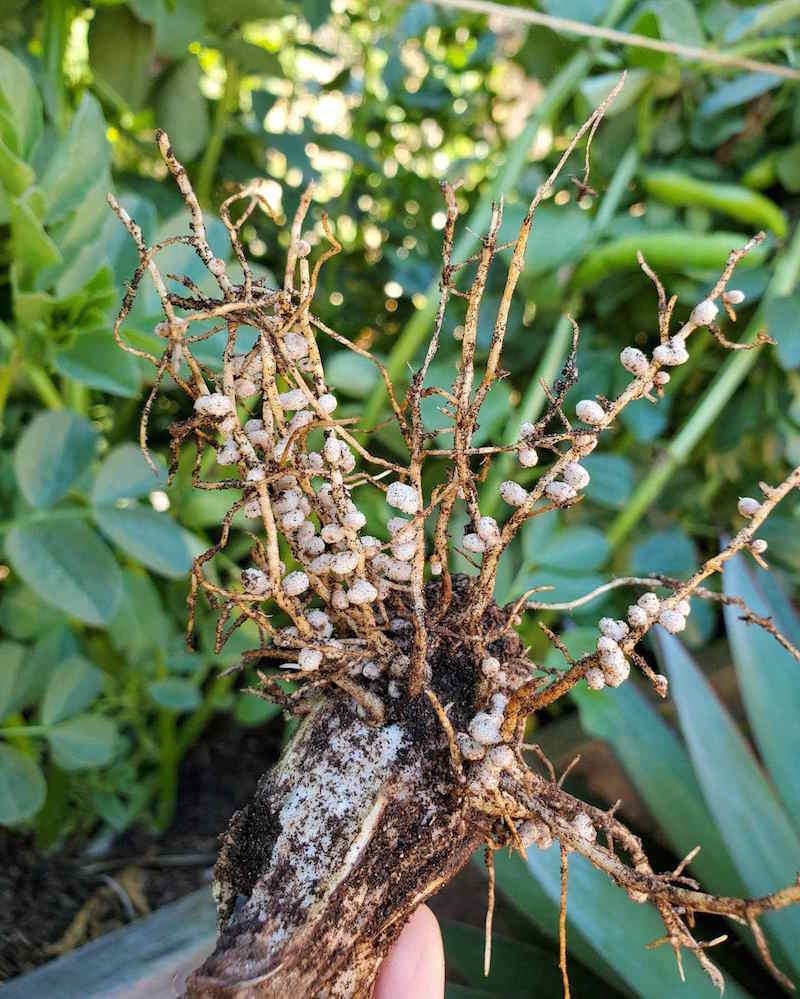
x=72 y=687
x=175 y=694
x=77 y=160
x=124 y=474
x=154 y=539
x=529 y=897
x=67 y=565
x=83 y=742
x=53 y=452
x=769 y=679
x=22 y=786
x=12 y=677
x=94 y=359
x=754 y=827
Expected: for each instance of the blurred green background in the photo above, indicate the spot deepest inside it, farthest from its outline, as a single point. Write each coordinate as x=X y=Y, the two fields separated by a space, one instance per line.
x=99 y=701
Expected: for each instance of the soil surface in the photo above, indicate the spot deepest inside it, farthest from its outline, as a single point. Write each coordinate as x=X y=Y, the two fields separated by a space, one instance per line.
x=55 y=901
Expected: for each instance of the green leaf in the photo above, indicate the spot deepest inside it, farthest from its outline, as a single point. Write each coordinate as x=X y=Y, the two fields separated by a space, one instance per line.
x=76 y=161
x=316 y=12
x=769 y=680
x=670 y=20
x=72 y=687
x=617 y=928
x=576 y=10
x=595 y=89
x=612 y=479
x=251 y=58
x=784 y=539
x=666 y=249
x=738 y=91
x=54 y=451
x=780 y=315
x=20 y=100
x=154 y=539
x=180 y=109
x=83 y=742
x=124 y=474
x=68 y=566
x=512 y=963
x=452 y=991
x=671 y=553
x=788 y=168
x=576 y=549
x=350 y=373
x=22 y=785
x=15 y=174
x=754 y=827
x=661 y=771
x=175 y=694
x=249 y=709
x=537 y=532
x=557 y=234
x=23 y=615
x=176 y=24
x=113 y=247
x=12 y=663
x=124 y=68
x=565 y=586
x=94 y=359
x=33 y=249
x=52 y=649
x=140 y=625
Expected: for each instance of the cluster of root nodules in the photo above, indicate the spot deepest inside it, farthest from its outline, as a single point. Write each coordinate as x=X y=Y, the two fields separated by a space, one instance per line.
x=380 y=619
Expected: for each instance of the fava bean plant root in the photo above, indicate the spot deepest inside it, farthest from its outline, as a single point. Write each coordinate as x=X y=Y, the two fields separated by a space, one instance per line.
x=411 y=683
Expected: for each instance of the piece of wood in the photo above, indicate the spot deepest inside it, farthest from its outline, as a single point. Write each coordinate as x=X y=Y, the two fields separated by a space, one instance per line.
x=148 y=959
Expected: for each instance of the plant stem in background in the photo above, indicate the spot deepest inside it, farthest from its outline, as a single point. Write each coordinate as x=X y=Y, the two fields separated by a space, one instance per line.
x=44 y=387
x=720 y=392
x=225 y=105
x=7 y=373
x=168 y=770
x=193 y=727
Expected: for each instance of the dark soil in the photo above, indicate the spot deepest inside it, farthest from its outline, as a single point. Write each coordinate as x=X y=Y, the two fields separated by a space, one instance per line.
x=52 y=901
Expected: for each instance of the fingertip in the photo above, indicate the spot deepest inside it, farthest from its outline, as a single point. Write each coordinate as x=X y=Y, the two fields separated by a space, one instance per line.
x=414 y=967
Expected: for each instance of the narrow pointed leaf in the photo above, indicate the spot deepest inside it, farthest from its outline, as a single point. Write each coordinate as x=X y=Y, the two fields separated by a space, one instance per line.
x=619 y=929
x=519 y=970
x=769 y=679
x=757 y=832
x=661 y=770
